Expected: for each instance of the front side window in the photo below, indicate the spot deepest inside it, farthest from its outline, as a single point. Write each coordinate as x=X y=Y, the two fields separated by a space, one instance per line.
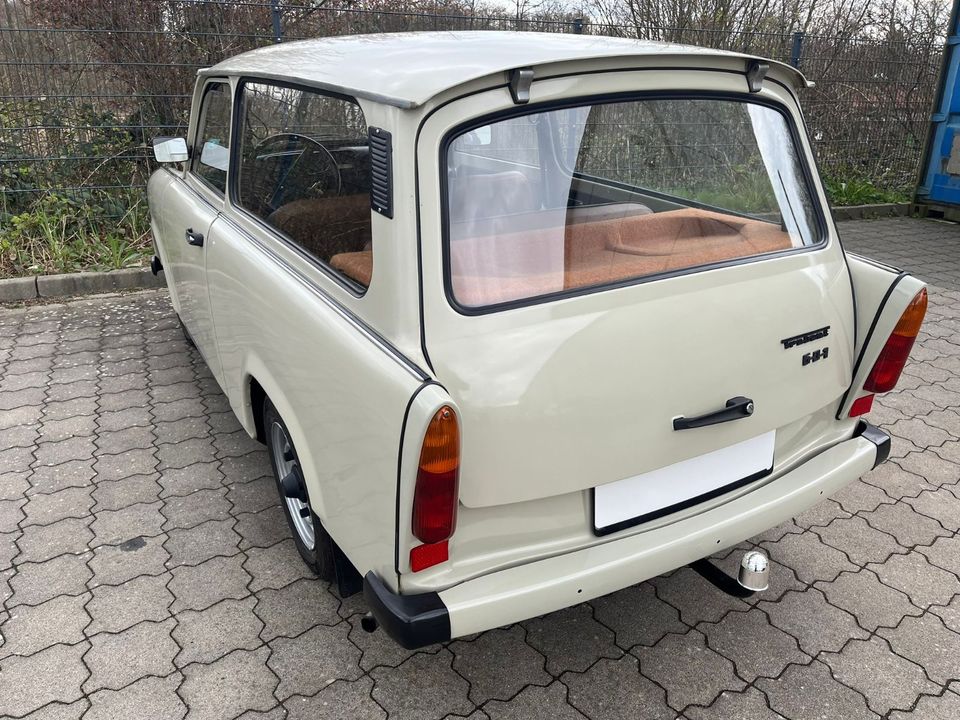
x=213 y=138
x=592 y=195
x=305 y=170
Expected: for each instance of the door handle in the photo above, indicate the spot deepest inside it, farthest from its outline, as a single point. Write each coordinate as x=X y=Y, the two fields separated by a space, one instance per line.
x=736 y=408
x=193 y=238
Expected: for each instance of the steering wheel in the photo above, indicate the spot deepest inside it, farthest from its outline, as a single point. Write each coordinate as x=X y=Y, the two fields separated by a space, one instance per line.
x=326 y=178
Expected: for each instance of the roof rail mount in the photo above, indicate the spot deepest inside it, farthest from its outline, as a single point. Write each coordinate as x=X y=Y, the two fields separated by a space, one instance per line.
x=520 y=81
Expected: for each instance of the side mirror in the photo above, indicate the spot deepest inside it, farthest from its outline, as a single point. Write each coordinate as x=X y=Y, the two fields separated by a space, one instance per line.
x=170 y=150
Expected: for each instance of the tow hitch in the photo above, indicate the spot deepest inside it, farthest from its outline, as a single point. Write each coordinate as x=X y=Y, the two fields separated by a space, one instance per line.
x=753 y=576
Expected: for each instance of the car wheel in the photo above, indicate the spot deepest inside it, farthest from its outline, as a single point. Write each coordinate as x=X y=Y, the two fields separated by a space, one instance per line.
x=312 y=541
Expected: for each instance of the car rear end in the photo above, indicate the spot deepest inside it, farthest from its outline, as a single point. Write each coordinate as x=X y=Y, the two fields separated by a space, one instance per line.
x=647 y=340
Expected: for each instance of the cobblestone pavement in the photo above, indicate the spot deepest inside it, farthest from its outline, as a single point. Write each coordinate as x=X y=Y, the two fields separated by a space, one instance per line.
x=146 y=570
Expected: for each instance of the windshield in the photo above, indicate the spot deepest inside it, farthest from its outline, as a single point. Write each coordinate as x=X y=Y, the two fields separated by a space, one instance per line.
x=593 y=195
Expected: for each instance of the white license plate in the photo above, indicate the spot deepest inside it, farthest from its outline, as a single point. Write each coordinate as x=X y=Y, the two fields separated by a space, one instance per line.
x=641 y=498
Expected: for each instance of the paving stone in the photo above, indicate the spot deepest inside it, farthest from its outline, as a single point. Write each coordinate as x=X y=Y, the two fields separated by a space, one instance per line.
x=691 y=672
x=115 y=608
x=184 y=481
x=253 y=496
x=115 y=564
x=305 y=671
x=249 y=467
x=30 y=629
x=177 y=431
x=944 y=553
x=198 y=507
x=873 y=603
x=120 y=441
x=35 y=583
x=942 y=707
x=337 y=701
x=207 y=540
x=114 y=401
x=570 y=639
x=118 y=494
x=114 y=420
x=9 y=549
x=166 y=411
x=65 y=409
x=132 y=462
x=808 y=557
x=18 y=437
x=924 y=583
x=276 y=566
x=234 y=444
x=695 y=598
x=808 y=692
x=498 y=664
x=43 y=542
x=535 y=702
x=11 y=514
x=296 y=608
x=376 y=648
x=152 y=697
x=78 y=425
x=14 y=485
x=198 y=587
x=932 y=468
x=868 y=666
x=72 y=474
x=637 y=616
x=423 y=686
x=858 y=540
x=813 y=623
x=185 y=453
x=941 y=505
x=756 y=648
x=262 y=529
x=748 y=705
x=906 y=525
x=115 y=661
x=51 y=675
x=236 y=682
x=26 y=415
x=57 y=711
x=207 y=635
x=823 y=513
x=69 y=503
x=70 y=391
x=950 y=614
x=929 y=643
x=112 y=527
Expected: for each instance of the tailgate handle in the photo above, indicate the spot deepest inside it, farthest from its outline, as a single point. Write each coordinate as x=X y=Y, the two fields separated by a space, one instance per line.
x=736 y=408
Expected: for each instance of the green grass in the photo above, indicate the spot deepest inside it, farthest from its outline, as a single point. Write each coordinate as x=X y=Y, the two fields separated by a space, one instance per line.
x=845 y=191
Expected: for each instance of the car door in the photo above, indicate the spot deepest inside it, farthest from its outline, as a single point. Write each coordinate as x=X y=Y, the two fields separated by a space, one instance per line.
x=192 y=208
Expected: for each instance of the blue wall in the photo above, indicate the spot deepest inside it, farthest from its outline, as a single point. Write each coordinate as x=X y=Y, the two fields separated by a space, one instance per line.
x=937 y=184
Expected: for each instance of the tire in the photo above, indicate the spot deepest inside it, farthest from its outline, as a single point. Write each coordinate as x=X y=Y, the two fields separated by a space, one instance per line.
x=313 y=543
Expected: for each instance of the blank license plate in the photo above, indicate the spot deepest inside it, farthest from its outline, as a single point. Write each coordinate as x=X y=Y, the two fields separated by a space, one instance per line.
x=641 y=498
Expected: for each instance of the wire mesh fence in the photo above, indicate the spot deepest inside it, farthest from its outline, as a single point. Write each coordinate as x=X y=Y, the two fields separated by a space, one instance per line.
x=84 y=86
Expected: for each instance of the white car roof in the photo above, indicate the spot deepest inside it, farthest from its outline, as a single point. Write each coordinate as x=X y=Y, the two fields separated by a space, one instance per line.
x=408 y=69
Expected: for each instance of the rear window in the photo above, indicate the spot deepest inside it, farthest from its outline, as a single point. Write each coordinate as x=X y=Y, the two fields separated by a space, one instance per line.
x=560 y=200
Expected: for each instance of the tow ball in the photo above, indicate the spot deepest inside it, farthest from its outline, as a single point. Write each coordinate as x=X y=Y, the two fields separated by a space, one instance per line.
x=752 y=577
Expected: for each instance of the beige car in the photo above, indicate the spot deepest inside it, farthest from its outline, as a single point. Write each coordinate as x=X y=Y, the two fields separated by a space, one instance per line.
x=523 y=319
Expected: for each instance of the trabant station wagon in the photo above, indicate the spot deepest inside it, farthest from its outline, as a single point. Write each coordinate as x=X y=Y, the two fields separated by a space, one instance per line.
x=523 y=319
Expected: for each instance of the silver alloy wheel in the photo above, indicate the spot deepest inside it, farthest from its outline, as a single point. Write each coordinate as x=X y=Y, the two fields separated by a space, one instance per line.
x=282 y=448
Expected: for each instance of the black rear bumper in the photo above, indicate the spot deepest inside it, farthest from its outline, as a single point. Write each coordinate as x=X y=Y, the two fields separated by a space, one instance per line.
x=878 y=437
x=412 y=620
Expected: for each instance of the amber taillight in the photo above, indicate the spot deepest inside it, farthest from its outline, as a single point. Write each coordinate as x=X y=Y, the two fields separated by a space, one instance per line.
x=886 y=371
x=436 y=493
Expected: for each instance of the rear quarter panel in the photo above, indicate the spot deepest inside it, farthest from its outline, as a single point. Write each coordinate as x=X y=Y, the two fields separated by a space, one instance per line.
x=342 y=396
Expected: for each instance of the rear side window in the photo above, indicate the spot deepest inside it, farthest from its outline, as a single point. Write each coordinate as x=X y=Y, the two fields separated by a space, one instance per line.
x=593 y=195
x=214 y=136
x=305 y=171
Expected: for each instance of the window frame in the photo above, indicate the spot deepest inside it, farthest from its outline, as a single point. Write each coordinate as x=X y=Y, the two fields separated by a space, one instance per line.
x=197 y=136
x=820 y=227
x=354 y=288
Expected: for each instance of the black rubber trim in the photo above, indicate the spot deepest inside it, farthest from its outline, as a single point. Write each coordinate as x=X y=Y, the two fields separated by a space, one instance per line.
x=868 y=339
x=719 y=579
x=670 y=509
x=878 y=437
x=414 y=621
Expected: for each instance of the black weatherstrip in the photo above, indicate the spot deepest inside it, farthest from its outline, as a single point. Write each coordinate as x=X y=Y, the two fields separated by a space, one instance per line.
x=403 y=434
x=868 y=338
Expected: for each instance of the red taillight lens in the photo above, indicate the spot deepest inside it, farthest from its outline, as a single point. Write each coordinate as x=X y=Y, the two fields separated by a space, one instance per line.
x=861 y=406
x=435 y=497
x=886 y=371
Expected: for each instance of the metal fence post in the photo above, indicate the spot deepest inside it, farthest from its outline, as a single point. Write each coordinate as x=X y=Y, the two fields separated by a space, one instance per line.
x=797 y=51
x=275 y=14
